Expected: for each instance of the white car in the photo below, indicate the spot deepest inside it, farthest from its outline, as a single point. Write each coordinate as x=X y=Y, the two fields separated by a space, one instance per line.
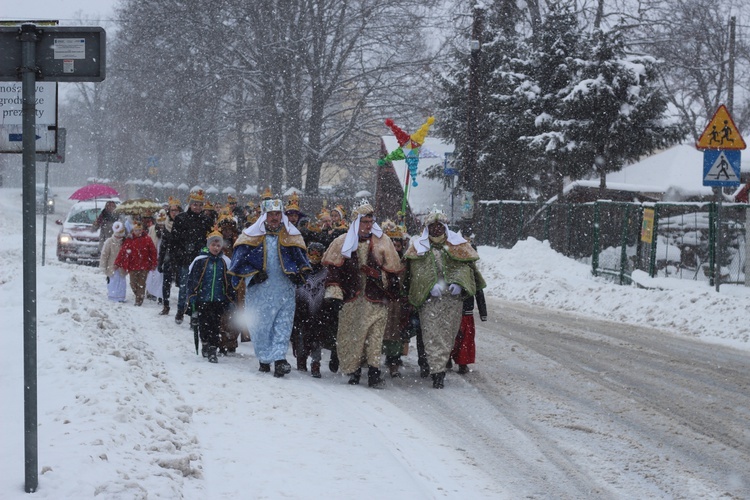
x=78 y=241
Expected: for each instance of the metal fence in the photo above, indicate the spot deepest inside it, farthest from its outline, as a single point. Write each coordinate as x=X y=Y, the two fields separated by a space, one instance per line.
x=680 y=240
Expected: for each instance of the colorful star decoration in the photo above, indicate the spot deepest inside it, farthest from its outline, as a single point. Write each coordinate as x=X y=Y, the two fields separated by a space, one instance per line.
x=408 y=146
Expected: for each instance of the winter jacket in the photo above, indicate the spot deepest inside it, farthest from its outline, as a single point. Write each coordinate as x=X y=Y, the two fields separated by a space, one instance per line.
x=188 y=237
x=208 y=280
x=481 y=305
x=104 y=223
x=166 y=248
x=109 y=253
x=137 y=254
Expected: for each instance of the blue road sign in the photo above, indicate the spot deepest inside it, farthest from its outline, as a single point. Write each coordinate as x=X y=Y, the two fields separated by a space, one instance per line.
x=721 y=167
x=19 y=137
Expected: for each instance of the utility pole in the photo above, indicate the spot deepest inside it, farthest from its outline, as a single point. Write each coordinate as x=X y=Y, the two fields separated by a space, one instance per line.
x=719 y=191
x=472 y=105
x=732 y=56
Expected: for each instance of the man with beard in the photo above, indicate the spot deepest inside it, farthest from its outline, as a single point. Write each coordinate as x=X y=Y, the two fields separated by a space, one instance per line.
x=441 y=273
x=363 y=269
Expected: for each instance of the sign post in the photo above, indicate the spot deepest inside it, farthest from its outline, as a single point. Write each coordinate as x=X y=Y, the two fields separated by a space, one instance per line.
x=721 y=143
x=58 y=54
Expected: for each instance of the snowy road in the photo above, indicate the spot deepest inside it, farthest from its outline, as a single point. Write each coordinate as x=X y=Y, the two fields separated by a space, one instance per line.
x=617 y=409
x=557 y=406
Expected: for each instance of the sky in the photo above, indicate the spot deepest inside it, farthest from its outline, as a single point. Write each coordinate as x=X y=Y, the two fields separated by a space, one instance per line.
x=127 y=410
x=68 y=12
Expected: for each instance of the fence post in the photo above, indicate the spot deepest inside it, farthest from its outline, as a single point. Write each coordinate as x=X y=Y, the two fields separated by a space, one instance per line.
x=547 y=216
x=499 y=225
x=652 y=257
x=624 y=243
x=595 y=250
x=567 y=228
x=711 y=244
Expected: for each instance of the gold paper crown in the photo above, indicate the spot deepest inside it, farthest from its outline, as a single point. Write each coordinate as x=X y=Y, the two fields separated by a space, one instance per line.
x=393 y=230
x=341 y=210
x=173 y=202
x=324 y=212
x=208 y=206
x=231 y=199
x=251 y=204
x=267 y=194
x=292 y=204
x=215 y=233
x=362 y=207
x=225 y=217
x=197 y=195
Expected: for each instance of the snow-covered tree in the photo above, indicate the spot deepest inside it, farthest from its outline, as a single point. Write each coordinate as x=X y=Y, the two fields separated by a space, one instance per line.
x=562 y=102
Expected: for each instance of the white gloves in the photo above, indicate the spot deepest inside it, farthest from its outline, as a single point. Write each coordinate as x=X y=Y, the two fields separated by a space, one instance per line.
x=436 y=291
x=455 y=289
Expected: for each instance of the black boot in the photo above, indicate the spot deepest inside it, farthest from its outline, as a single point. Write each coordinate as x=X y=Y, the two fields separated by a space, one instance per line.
x=165 y=309
x=204 y=350
x=281 y=368
x=463 y=369
x=212 y=358
x=424 y=370
x=265 y=367
x=354 y=377
x=178 y=317
x=393 y=364
x=315 y=369
x=373 y=377
x=437 y=380
x=301 y=362
x=333 y=365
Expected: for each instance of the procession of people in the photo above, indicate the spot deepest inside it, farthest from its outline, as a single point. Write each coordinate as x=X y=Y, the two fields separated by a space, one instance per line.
x=270 y=274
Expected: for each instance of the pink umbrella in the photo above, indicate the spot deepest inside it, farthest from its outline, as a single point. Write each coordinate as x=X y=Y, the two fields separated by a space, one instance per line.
x=94 y=191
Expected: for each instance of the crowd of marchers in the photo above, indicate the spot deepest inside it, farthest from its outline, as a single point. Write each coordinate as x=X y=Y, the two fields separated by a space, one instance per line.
x=269 y=274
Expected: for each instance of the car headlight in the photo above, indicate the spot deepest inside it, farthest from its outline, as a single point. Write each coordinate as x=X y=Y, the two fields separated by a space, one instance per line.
x=65 y=238
x=50 y=202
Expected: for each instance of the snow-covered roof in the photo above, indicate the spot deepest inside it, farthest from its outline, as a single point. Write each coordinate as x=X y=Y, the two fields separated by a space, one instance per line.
x=429 y=193
x=676 y=172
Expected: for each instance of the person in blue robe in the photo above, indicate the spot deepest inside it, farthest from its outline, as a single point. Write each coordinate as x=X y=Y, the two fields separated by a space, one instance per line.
x=271 y=257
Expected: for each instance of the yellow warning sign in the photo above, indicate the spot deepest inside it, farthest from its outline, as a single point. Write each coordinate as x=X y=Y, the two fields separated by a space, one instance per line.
x=721 y=133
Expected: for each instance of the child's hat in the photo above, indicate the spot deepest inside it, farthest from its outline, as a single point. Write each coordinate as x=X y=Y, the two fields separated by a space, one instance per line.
x=161 y=216
x=215 y=234
x=119 y=229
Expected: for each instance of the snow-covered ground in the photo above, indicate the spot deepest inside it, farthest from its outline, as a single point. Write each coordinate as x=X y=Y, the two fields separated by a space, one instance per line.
x=127 y=410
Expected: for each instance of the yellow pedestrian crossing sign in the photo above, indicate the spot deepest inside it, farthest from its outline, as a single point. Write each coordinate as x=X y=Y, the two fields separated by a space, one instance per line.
x=721 y=133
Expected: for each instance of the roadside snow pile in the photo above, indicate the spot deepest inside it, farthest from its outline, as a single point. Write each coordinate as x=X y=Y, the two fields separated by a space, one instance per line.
x=532 y=272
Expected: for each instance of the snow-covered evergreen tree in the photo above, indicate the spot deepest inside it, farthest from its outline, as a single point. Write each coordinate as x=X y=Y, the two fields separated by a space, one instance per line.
x=561 y=102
